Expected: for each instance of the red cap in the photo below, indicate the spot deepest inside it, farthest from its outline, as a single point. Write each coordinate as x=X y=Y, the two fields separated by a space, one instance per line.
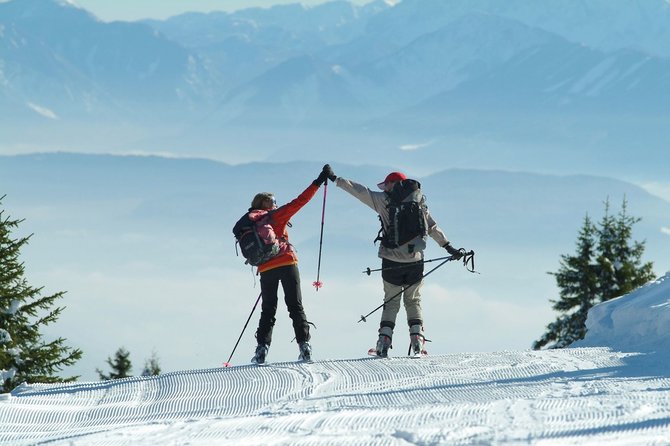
x=392 y=177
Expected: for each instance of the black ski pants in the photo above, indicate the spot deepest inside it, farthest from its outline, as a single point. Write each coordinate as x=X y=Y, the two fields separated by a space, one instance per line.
x=289 y=276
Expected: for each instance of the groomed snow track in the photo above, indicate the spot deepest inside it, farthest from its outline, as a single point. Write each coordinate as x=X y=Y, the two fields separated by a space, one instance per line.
x=572 y=396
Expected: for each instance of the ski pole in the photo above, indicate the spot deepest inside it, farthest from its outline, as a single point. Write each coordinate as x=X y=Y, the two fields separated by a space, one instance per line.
x=368 y=271
x=468 y=258
x=364 y=318
x=317 y=284
x=227 y=363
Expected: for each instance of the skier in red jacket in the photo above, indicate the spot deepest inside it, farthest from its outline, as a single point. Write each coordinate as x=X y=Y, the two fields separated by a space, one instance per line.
x=283 y=268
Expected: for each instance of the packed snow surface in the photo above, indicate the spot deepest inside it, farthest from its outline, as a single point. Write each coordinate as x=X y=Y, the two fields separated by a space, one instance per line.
x=585 y=396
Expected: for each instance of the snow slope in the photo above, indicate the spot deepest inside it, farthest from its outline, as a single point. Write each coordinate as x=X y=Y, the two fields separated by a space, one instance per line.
x=587 y=395
x=638 y=321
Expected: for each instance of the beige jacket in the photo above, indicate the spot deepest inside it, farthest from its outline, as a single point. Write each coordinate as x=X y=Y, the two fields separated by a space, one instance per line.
x=377 y=201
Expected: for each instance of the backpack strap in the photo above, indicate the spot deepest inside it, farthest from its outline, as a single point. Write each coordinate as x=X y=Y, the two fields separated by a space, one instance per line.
x=381 y=235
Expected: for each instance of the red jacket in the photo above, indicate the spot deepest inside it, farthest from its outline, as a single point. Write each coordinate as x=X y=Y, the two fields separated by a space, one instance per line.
x=278 y=221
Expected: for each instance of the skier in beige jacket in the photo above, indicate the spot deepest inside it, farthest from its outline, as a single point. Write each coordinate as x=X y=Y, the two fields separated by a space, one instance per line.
x=402 y=260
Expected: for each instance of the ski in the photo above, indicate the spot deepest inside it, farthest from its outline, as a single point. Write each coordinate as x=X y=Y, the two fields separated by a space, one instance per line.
x=269 y=363
x=421 y=354
x=373 y=352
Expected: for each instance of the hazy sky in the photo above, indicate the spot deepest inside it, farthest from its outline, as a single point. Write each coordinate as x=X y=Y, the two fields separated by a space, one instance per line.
x=159 y=9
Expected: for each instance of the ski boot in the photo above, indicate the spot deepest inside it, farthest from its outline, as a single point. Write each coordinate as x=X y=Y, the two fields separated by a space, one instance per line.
x=417 y=340
x=305 y=352
x=261 y=353
x=384 y=341
x=383 y=345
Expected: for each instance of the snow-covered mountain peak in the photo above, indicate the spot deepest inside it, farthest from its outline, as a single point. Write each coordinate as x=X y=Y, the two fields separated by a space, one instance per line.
x=487 y=37
x=398 y=61
x=31 y=9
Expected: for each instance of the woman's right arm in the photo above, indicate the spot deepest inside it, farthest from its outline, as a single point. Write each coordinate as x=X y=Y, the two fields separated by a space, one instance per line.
x=284 y=213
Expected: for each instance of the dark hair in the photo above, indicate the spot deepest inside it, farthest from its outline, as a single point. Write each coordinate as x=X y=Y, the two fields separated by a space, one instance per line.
x=260 y=200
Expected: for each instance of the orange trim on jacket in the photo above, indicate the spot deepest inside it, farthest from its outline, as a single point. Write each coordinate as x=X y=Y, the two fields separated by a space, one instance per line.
x=278 y=221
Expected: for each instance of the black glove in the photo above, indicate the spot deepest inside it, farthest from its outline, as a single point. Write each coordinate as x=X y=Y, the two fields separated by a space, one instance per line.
x=455 y=253
x=329 y=172
x=325 y=174
x=322 y=178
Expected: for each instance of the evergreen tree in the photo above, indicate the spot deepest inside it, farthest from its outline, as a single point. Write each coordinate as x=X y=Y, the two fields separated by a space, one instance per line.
x=577 y=279
x=607 y=240
x=121 y=366
x=619 y=260
x=607 y=265
x=24 y=355
x=151 y=366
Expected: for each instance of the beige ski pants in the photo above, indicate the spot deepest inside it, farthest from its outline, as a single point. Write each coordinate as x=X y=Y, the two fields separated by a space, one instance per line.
x=411 y=298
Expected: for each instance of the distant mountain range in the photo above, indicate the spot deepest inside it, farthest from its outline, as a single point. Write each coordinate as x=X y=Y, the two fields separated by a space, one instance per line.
x=480 y=77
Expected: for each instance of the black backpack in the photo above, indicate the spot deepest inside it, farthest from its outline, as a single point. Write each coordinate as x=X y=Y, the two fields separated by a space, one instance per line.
x=257 y=239
x=407 y=219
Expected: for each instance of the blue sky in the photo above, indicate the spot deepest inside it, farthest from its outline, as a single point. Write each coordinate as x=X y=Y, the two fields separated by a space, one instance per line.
x=160 y=9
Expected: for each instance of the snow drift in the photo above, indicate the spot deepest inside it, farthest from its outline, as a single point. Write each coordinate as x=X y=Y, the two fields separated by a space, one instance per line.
x=638 y=321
